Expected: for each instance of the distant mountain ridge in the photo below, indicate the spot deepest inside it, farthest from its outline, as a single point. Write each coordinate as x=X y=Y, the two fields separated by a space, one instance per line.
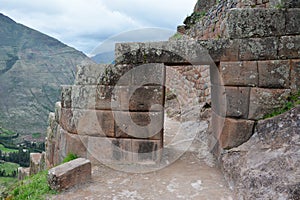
x=32 y=68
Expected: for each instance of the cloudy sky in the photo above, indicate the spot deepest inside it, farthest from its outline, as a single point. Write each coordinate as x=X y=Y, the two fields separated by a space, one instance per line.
x=84 y=24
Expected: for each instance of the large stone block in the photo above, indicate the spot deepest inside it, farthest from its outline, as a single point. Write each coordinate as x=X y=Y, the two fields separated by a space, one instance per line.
x=88 y=122
x=76 y=144
x=237 y=101
x=66 y=96
x=55 y=147
x=220 y=50
x=218 y=100
x=146 y=151
x=284 y=4
x=50 y=150
x=264 y=101
x=67 y=120
x=135 y=74
x=84 y=96
x=292 y=24
x=239 y=73
x=295 y=76
x=37 y=163
x=258 y=48
x=96 y=97
x=69 y=174
x=57 y=111
x=60 y=146
x=255 y=22
x=109 y=150
x=274 y=74
x=248 y=3
x=51 y=120
x=289 y=47
x=139 y=124
x=51 y=143
x=174 y=51
x=235 y=132
x=90 y=74
x=148 y=74
x=145 y=98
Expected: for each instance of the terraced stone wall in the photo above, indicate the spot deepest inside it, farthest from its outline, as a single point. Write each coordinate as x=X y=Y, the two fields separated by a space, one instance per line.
x=259 y=67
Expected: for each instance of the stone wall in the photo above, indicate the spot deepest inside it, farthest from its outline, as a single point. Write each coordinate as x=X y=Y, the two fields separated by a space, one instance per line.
x=187 y=66
x=251 y=49
x=97 y=116
x=254 y=68
x=109 y=123
x=258 y=72
x=244 y=18
x=190 y=83
x=259 y=66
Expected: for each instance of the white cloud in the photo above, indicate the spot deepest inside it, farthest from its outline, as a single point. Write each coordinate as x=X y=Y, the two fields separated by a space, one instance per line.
x=83 y=24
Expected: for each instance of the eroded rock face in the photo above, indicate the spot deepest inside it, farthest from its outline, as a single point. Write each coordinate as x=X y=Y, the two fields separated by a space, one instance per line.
x=268 y=165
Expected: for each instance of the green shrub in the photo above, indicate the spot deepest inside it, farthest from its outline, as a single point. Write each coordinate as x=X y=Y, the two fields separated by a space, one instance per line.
x=70 y=157
x=5 y=132
x=32 y=188
x=36 y=135
x=193 y=18
x=176 y=36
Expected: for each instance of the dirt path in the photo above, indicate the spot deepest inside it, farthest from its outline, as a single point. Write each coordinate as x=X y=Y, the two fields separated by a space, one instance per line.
x=188 y=178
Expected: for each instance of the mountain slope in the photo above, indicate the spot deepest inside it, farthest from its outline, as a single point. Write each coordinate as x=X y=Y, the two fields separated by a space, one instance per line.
x=32 y=67
x=104 y=58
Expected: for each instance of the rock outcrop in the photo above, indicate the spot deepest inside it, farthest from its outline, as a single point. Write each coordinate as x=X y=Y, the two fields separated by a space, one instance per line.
x=268 y=165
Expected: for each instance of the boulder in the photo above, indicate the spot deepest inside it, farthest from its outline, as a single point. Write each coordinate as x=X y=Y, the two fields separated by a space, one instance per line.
x=268 y=165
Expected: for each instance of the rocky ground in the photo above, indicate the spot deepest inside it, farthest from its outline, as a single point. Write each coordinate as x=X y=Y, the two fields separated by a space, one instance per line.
x=192 y=175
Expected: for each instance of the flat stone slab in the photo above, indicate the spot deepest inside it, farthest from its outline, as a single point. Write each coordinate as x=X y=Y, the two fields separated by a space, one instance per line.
x=69 y=174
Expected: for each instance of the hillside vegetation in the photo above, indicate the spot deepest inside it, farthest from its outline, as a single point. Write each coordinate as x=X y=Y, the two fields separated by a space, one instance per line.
x=32 y=68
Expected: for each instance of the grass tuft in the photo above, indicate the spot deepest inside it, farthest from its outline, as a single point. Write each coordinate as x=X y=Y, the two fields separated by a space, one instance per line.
x=293 y=101
x=70 y=157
